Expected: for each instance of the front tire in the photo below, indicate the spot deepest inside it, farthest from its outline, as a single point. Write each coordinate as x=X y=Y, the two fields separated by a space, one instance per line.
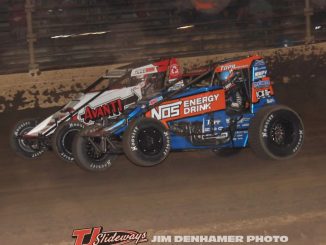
x=87 y=157
x=146 y=142
x=63 y=137
x=276 y=133
x=26 y=148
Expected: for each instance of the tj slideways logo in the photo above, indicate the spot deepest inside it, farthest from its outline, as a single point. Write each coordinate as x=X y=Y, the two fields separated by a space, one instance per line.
x=96 y=236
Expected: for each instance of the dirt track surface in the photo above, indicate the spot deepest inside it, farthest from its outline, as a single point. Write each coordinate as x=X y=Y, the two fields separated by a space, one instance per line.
x=42 y=201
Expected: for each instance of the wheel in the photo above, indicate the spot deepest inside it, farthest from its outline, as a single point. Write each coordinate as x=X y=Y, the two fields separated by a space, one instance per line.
x=87 y=156
x=63 y=137
x=227 y=152
x=27 y=148
x=276 y=133
x=146 y=142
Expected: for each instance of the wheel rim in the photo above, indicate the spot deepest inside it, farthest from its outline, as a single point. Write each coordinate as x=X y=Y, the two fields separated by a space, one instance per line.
x=24 y=144
x=93 y=153
x=282 y=133
x=68 y=138
x=150 y=141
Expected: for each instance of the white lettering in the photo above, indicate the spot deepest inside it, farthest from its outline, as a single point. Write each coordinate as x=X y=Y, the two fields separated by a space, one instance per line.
x=166 y=111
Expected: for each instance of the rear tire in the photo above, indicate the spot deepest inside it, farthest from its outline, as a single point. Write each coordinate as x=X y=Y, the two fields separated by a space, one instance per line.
x=146 y=142
x=87 y=157
x=276 y=133
x=25 y=148
x=63 y=137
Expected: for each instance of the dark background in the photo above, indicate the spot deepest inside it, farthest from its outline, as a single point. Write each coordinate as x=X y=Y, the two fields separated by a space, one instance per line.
x=134 y=29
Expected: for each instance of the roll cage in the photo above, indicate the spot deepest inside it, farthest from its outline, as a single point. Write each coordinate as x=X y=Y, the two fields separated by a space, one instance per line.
x=211 y=71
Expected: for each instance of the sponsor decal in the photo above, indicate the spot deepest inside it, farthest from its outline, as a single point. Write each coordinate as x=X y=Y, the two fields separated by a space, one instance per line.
x=155 y=100
x=166 y=111
x=233 y=67
x=176 y=86
x=259 y=93
x=237 y=65
x=260 y=68
x=175 y=69
x=270 y=101
x=260 y=74
x=109 y=109
x=149 y=69
x=263 y=93
x=262 y=84
x=189 y=106
x=228 y=67
x=96 y=236
x=259 y=63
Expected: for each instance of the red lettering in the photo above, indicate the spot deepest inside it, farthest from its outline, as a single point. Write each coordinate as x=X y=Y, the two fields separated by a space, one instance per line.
x=88 y=114
x=120 y=106
x=99 y=113
x=81 y=235
x=94 y=113
x=106 y=109
x=114 y=108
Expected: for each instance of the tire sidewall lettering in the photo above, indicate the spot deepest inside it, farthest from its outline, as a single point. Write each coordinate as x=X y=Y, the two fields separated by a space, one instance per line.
x=133 y=141
x=300 y=141
x=21 y=127
x=105 y=165
x=266 y=125
x=76 y=125
x=167 y=146
x=37 y=154
x=65 y=130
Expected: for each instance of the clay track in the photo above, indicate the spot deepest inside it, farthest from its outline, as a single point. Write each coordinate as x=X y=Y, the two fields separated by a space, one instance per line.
x=42 y=201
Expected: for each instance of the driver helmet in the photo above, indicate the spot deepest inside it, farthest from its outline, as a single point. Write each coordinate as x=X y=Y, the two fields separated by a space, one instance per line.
x=225 y=76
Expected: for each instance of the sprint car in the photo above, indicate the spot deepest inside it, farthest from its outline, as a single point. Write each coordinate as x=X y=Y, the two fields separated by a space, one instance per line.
x=202 y=110
x=106 y=98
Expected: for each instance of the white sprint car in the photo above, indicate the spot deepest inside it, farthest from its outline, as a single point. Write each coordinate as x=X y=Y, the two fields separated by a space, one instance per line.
x=103 y=100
